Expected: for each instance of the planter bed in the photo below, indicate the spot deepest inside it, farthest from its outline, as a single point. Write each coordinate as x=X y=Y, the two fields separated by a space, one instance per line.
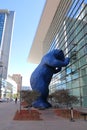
x=66 y=113
x=27 y=115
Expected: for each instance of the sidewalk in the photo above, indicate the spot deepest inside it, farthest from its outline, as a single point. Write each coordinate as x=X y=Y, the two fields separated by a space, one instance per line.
x=49 y=122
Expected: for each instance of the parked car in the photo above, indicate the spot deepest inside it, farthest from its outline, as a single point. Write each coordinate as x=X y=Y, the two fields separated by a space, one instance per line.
x=3 y=99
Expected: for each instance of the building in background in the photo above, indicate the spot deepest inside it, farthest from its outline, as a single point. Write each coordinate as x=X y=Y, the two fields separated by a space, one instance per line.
x=25 y=88
x=9 y=89
x=63 y=25
x=6 y=31
x=18 y=79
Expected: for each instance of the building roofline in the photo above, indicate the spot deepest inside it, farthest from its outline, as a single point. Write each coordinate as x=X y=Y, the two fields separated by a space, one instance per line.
x=36 y=51
x=4 y=11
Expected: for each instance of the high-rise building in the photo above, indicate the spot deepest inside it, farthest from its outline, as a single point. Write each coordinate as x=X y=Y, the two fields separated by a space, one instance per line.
x=63 y=25
x=6 y=31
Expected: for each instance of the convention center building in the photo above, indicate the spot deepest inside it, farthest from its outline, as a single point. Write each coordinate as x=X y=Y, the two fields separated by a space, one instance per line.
x=63 y=25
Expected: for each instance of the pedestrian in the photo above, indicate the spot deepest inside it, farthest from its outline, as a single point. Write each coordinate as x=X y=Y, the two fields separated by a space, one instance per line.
x=15 y=100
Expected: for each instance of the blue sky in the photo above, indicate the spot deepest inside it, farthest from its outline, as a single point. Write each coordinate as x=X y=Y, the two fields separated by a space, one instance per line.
x=27 y=17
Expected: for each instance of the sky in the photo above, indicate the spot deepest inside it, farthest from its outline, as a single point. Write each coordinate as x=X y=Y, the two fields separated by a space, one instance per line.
x=27 y=17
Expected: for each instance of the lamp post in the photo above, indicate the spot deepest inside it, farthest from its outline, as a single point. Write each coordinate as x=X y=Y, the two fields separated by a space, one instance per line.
x=1 y=66
x=20 y=93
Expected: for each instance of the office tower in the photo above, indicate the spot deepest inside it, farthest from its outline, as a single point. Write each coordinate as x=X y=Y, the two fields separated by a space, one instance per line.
x=6 y=31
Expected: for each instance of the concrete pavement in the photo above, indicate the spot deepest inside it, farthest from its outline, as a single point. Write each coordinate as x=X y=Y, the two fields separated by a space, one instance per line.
x=50 y=120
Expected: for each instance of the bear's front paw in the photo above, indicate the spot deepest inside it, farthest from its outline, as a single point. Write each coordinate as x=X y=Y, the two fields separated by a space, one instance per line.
x=67 y=60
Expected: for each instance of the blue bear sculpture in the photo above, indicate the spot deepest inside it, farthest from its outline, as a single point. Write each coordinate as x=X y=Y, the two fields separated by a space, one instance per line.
x=50 y=64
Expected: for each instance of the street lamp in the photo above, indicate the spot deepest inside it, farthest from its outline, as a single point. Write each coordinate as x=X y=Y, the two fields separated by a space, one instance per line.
x=1 y=66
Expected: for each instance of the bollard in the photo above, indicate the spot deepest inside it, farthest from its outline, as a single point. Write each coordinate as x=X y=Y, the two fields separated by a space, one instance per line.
x=71 y=114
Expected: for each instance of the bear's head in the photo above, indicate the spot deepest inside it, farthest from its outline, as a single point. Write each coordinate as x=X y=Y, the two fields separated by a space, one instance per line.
x=58 y=54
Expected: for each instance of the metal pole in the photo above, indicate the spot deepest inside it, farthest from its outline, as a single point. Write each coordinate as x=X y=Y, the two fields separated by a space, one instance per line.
x=1 y=68
x=20 y=99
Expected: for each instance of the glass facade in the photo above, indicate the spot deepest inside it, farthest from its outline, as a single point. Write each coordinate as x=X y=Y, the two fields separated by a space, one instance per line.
x=68 y=31
x=2 y=18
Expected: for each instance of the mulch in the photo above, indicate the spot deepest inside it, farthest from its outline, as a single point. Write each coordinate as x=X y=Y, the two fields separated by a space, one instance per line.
x=27 y=115
x=66 y=113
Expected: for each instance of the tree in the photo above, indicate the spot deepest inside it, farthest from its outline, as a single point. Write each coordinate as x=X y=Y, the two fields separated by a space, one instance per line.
x=63 y=97
x=29 y=96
